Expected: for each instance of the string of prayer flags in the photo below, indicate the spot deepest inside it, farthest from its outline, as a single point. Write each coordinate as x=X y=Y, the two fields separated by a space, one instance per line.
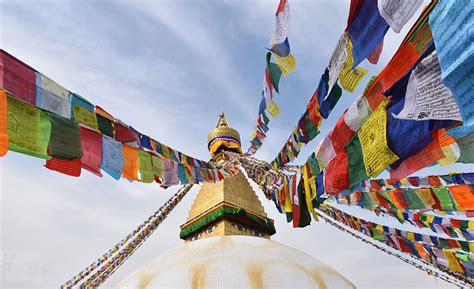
x=450 y=22
x=284 y=64
x=3 y=123
x=43 y=118
x=442 y=198
x=419 y=246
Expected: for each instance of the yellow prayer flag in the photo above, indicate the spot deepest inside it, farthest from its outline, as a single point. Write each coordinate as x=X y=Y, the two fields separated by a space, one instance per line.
x=429 y=219
x=470 y=225
x=425 y=196
x=288 y=204
x=373 y=138
x=451 y=154
x=287 y=63
x=273 y=109
x=453 y=262
x=404 y=181
x=373 y=197
x=308 y=193
x=411 y=236
x=350 y=78
x=84 y=116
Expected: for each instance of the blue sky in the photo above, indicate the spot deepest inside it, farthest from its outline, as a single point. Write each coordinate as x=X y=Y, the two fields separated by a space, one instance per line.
x=168 y=68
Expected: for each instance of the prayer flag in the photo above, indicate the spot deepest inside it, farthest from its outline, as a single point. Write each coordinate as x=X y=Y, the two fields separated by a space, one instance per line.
x=76 y=99
x=112 y=157
x=92 y=150
x=68 y=167
x=357 y=113
x=85 y=117
x=398 y=13
x=341 y=134
x=17 y=78
x=281 y=49
x=105 y=125
x=274 y=72
x=464 y=196
x=336 y=176
x=377 y=155
x=28 y=128
x=356 y=167
x=52 y=97
x=130 y=167
x=444 y=197
x=451 y=24
x=426 y=96
x=3 y=122
x=366 y=31
x=145 y=167
x=286 y=64
x=282 y=25
x=65 y=138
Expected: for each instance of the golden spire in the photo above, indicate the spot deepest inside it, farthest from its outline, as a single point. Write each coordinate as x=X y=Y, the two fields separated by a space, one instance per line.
x=223 y=137
x=228 y=207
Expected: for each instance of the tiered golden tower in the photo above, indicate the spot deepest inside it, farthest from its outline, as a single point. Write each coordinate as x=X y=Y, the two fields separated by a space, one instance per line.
x=231 y=206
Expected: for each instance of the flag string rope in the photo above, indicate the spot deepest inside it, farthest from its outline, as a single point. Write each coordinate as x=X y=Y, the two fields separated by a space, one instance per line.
x=105 y=269
x=429 y=269
x=458 y=276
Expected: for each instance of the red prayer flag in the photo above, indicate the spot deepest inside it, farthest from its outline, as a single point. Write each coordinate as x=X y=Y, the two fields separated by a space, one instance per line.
x=341 y=134
x=67 y=167
x=336 y=177
x=17 y=78
x=353 y=11
x=92 y=150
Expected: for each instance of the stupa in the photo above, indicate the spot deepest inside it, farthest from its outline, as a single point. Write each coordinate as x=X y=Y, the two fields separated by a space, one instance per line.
x=227 y=241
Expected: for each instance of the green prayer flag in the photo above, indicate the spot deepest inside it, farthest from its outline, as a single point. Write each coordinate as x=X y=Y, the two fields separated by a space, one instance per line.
x=313 y=164
x=28 y=128
x=377 y=235
x=356 y=166
x=414 y=202
x=105 y=126
x=463 y=257
x=305 y=217
x=65 y=140
x=466 y=145
x=145 y=167
x=274 y=71
x=310 y=129
x=365 y=200
x=443 y=195
x=157 y=166
x=265 y=118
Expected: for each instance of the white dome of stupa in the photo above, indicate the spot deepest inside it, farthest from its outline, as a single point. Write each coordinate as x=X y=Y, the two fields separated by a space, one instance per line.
x=235 y=262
